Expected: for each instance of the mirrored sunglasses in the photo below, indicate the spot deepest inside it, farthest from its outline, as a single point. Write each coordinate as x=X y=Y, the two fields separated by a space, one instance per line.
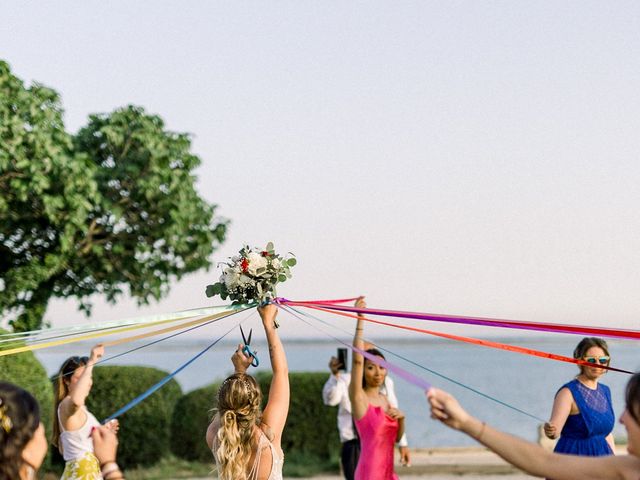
x=600 y=360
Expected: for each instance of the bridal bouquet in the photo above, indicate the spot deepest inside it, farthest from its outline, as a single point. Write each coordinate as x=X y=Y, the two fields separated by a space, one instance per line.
x=252 y=275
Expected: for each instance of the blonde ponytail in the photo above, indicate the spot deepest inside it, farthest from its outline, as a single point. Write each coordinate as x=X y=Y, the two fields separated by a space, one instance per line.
x=239 y=400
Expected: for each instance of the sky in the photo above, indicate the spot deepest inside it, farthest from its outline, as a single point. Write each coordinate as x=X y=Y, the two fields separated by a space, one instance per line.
x=459 y=157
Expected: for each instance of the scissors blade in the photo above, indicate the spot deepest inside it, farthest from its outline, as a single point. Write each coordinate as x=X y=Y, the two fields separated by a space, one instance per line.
x=244 y=339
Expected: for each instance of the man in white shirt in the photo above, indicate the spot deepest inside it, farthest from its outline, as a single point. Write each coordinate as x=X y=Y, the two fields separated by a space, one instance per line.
x=336 y=392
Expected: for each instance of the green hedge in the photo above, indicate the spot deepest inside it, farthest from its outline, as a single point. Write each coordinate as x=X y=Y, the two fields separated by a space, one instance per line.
x=145 y=430
x=310 y=434
x=191 y=417
x=24 y=370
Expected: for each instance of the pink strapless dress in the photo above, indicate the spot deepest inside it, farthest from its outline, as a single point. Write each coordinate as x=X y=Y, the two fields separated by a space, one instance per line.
x=378 y=434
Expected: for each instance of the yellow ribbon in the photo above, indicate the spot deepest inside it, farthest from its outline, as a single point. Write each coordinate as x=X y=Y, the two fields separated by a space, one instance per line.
x=28 y=348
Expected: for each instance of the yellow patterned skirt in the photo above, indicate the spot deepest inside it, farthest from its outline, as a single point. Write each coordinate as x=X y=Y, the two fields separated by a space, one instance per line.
x=85 y=468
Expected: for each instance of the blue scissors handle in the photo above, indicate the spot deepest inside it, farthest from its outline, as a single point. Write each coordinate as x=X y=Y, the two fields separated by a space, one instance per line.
x=249 y=353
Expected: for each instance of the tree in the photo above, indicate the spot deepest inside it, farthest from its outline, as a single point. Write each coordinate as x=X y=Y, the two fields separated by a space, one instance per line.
x=111 y=208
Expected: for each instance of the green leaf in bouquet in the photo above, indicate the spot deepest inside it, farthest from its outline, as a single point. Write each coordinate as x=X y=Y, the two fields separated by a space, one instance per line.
x=269 y=248
x=261 y=270
x=213 y=289
x=291 y=262
x=282 y=277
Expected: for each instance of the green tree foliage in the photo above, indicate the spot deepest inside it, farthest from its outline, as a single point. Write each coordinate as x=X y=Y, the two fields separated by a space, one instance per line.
x=111 y=209
x=145 y=430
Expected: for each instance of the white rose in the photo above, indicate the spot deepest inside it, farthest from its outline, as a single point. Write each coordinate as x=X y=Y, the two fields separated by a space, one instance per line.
x=275 y=263
x=230 y=277
x=256 y=261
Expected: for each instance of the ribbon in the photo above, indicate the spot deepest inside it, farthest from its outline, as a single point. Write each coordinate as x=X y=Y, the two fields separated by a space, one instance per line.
x=449 y=379
x=112 y=332
x=489 y=322
x=83 y=328
x=400 y=372
x=484 y=343
x=154 y=388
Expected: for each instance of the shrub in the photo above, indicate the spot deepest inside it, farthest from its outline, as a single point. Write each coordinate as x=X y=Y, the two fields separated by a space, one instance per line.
x=310 y=435
x=191 y=417
x=145 y=430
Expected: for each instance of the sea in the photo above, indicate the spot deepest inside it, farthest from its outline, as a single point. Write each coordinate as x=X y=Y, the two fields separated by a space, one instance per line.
x=511 y=391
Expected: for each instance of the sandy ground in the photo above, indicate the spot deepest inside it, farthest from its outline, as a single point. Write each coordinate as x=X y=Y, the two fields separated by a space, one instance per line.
x=454 y=463
x=462 y=463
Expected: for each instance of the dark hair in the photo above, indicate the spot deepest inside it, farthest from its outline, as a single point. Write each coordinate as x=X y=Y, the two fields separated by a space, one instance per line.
x=61 y=390
x=375 y=352
x=632 y=397
x=588 y=342
x=585 y=344
x=19 y=419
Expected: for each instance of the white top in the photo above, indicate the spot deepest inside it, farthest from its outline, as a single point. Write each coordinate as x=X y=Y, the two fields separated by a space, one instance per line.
x=277 y=461
x=336 y=392
x=75 y=443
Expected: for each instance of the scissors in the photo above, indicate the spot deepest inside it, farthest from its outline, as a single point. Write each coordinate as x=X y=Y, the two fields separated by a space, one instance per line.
x=247 y=349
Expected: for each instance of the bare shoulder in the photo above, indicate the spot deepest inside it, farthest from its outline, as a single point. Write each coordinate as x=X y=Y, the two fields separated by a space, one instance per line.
x=564 y=394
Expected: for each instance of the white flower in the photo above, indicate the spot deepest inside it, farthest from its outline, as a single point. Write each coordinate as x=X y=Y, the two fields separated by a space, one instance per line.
x=275 y=263
x=230 y=277
x=256 y=261
x=244 y=280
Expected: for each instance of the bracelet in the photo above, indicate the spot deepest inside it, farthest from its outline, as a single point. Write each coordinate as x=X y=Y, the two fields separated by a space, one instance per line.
x=479 y=436
x=118 y=475
x=109 y=467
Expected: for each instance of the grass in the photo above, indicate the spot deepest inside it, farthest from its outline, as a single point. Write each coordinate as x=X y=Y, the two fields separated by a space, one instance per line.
x=171 y=468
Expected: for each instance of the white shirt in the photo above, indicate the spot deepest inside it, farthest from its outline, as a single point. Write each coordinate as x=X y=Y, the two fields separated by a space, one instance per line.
x=336 y=392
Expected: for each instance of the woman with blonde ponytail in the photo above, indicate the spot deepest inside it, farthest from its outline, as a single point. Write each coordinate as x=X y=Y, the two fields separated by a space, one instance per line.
x=73 y=423
x=246 y=443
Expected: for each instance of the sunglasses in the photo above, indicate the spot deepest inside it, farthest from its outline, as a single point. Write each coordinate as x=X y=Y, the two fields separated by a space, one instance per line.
x=600 y=360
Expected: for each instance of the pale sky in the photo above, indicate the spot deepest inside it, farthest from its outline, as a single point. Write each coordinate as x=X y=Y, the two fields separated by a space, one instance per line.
x=457 y=157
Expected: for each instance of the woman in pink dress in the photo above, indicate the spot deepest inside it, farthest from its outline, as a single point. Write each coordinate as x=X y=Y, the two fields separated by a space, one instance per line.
x=379 y=425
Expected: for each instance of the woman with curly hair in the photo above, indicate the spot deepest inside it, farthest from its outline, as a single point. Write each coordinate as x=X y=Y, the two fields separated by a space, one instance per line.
x=23 y=444
x=246 y=443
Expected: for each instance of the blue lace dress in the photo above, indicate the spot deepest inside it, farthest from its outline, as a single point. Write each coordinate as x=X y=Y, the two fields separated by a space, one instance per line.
x=585 y=433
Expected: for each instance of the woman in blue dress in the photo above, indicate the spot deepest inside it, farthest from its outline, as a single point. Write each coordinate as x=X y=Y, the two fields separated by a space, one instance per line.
x=582 y=413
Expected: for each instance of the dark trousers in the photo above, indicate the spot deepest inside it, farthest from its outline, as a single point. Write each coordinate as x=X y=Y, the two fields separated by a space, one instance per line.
x=349 y=456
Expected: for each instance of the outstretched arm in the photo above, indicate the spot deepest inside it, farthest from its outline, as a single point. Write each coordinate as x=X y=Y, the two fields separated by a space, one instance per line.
x=530 y=457
x=275 y=413
x=357 y=395
x=559 y=413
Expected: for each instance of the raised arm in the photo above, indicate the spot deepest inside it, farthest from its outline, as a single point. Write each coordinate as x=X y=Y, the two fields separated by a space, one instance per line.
x=559 y=413
x=357 y=395
x=277 y=409
x=530 y=457
x=82 y=388
x=333 y=391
